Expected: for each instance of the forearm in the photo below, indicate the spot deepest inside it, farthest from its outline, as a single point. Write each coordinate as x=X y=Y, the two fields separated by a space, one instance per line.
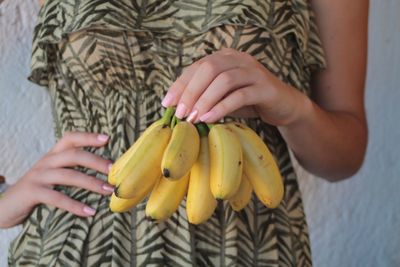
x=329 y=144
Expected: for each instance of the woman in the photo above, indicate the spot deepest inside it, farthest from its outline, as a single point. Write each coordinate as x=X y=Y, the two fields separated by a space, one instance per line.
x=110 y=67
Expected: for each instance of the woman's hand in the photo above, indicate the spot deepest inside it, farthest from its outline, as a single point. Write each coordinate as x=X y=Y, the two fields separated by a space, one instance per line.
x=234 y=83
x=36 y=186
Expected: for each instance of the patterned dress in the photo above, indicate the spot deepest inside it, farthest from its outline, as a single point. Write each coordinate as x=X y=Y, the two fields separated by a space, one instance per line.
x=107 y=66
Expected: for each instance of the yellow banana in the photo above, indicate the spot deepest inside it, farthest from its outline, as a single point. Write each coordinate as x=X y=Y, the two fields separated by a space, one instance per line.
x=259 y=166
x=200 y=203
x=165 y=198
x=181 y=152
x=118 y=165
x=226 y=161
x=243 y=195
x=121 y=205
x=140 y=169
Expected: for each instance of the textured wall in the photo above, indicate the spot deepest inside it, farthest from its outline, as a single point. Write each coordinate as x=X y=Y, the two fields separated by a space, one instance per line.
x=352 y=223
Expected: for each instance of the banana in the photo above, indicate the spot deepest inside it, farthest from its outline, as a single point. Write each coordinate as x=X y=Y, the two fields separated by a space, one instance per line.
x=226 y=161
x=140 y=169
x=118 y=165
x=121 y=205
x=259 y=166
x=165 y=198
x=243 y=195
x=200 y=203
x=181 y=152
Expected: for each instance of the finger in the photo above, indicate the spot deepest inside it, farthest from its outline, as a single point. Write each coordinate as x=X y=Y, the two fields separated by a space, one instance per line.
x=225 y=82
x=79 y=139
x=74 y=178
x=76 y=157
x=61 y=201
x=177 y=88
x=242 y=97
x=209 y=69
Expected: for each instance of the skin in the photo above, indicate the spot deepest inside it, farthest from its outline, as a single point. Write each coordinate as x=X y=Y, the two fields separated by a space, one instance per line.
x=36 y=186
x=327 y=133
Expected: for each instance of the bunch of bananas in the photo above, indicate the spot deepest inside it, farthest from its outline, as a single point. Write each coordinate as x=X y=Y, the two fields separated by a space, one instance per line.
x=173 y=159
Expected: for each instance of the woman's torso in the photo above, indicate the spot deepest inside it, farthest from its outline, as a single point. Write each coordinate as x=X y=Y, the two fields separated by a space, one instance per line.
x=107 y=66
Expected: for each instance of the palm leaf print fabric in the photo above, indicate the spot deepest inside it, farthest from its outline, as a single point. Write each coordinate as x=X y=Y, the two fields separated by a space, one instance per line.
x=107 y=66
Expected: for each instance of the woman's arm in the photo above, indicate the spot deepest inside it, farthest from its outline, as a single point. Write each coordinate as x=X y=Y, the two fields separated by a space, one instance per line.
x=328 y=134
x=330 y=138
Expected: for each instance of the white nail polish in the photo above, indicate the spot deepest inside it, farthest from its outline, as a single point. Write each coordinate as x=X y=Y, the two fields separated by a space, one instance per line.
x=181 y=111
x=192 y=116
x=89 y=210
x=102 y=137
x=108 y=188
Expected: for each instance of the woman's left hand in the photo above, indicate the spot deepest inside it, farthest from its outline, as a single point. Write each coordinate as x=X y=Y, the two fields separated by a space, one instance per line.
x=229 y=82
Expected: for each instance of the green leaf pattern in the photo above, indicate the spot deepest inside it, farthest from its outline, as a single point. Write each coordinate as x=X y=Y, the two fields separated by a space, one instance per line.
x=107 y=65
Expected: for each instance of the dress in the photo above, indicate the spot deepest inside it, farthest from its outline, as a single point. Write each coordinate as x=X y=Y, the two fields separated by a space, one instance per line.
x=107 y=66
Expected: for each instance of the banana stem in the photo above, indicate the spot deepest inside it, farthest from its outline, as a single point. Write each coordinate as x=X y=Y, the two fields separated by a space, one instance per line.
x=169 y=112
x=173 y=122
x=210 y=125
x=202 y=129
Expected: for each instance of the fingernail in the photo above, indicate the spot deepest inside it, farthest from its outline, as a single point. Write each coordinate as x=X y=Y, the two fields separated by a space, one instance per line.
x=205 y=117
x=192 y=116
x=181 y=111
x=102 y=137
x=109 y=167
x=108 y=188
x=167 y=101
x=89 y=210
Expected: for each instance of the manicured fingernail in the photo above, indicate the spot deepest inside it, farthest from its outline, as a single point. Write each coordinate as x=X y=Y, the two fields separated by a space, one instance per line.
x=192 y=116
x=207 y=116
x=102 y=137
x=109 y=166
x=181 y=111
x=108 y=188
x=89 y=210
x=167 y=101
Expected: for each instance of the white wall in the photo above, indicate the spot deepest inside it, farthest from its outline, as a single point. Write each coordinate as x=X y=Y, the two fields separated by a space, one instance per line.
x=352 y=223
x=25 y=114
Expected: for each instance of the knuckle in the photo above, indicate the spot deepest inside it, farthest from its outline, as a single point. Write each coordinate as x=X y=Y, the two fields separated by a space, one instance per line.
x=246 y=55
x=196 y=64
x=93 y=183
x=259 y=72
x=75 y=153
x=221 y=108
x=209 y=67
x=226 y=78
x=58 y=198
x=178 y=85
x=242 y=95
x=71 y=156
x=229 y=50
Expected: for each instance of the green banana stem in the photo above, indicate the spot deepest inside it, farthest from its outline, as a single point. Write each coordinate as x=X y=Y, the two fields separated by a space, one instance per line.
x=173 y=122
x=202 y=129
x=168 y=115
x=210 y=125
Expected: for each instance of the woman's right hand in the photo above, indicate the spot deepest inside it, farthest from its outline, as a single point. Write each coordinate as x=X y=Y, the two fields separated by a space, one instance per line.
x=36 y=186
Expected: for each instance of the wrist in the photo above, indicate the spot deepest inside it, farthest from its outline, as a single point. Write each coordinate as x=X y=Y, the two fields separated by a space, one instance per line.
x=292 y=107
x=302 y=111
